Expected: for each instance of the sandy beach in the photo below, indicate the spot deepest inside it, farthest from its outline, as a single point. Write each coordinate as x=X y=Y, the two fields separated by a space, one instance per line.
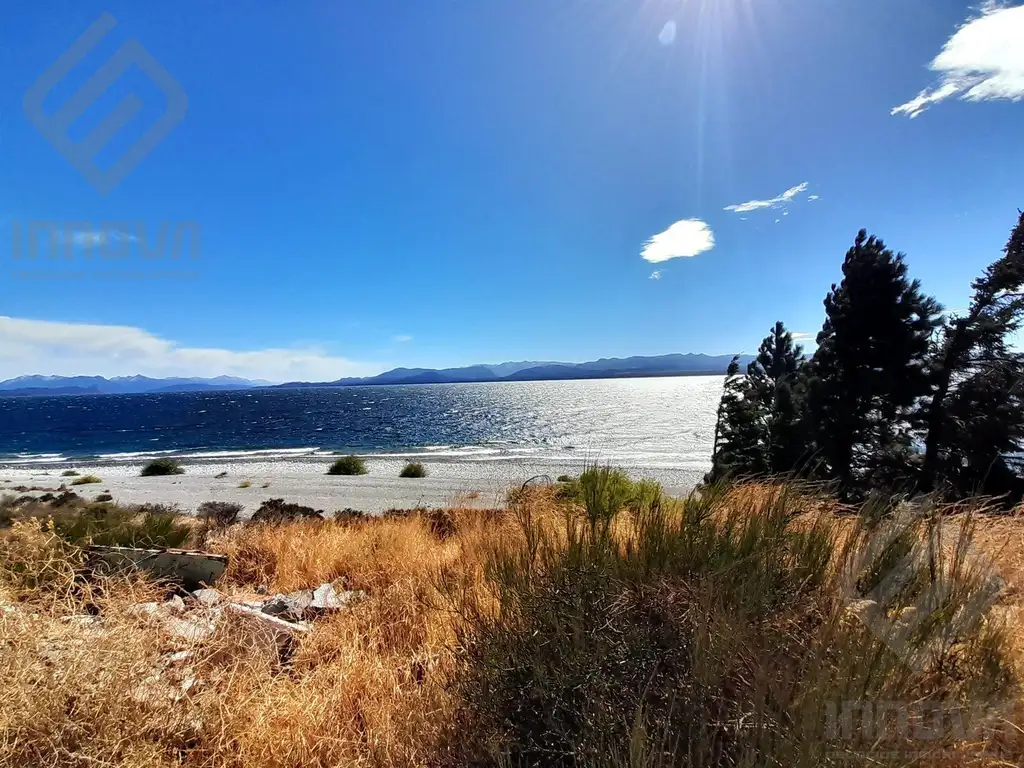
x=303 y=481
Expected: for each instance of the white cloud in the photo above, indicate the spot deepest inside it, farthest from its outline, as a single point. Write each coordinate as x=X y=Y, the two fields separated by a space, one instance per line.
x=67 y=349
x=655 y=275
x=812 y=198
x=772 y=202
x=403 y=338
x=799 y=337
x=667 y=36
x=982 y=61
x=683 y=239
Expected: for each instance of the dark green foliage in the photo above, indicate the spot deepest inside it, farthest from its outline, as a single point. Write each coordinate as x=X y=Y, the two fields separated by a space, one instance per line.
x=413 y=469
x=605 y=491
x=114 y=526
x=348 y=465
x=565 y=478
x=975 y=415
x=159 y=467
x=276 y=511
x=68 y=473
x=100 y=498
x=761 y=425
x=349 y=515
x=871 y=365
x=219 y=512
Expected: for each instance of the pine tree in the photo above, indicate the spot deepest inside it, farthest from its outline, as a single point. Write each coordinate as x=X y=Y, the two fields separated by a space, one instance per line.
x=738 y=443
x=776 y=388
x=759 y=429
x=974 y=418
x=870 y=367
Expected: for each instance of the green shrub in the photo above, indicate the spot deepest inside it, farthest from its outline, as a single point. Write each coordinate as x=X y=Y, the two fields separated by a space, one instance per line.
x=276 y=511
x=86 y=480
x=348 y=465
x=104 y=497
x=413 y=469
x=159 y=467
x=565 y=478
x=115 y=526
x=219 y=512
x=244 y=484
x=714 y=634
x=68 y=473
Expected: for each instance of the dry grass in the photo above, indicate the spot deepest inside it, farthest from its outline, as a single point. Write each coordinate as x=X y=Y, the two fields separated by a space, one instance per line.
x=369 y=686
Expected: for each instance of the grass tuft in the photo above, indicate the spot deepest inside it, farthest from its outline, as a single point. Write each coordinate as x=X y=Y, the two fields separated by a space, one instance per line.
x=413 y=469
x=161 y=467
x=348 y=465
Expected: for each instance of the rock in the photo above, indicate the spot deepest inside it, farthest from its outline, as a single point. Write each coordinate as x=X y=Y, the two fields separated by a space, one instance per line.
x=188 y=630
x=207 y=597
x=326 y=599
x=293 y=607
x=174 y=605
x=263 y=632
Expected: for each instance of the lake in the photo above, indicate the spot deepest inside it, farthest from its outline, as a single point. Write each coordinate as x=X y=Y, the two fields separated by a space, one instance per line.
x=665 y=423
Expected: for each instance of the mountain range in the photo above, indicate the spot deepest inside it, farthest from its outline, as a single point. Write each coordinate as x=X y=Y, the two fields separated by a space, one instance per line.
x=615 y=367
x=118 y=385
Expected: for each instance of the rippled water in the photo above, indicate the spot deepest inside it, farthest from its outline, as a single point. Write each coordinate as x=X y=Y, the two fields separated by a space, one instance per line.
x=661 y=422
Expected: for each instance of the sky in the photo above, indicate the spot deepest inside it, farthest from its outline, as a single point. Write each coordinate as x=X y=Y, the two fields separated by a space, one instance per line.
x=310 y=190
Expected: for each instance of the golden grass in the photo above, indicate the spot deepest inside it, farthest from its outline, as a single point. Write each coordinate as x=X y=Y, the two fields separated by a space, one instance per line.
x=366 y=687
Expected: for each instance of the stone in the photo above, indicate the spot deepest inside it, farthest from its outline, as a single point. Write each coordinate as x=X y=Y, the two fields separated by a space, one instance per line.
x=174 y=605
x=263 y=632
x=188 y=630
x=326 y=599
x=207 y=597
x=293 y=607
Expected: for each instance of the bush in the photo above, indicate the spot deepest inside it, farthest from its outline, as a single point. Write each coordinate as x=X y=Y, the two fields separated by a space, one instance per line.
x=219 y=512
x=708 y=631
x=68 y=473
x=159 y=467
x=348 y=465
x=276 y=511
x=244 y=484
x=413 y=469
x=104 y=497
x=565 y=478
x=86 y=480
x=114 y=526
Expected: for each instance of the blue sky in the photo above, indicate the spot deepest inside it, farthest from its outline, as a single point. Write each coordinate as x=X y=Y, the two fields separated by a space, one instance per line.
x=447 y=182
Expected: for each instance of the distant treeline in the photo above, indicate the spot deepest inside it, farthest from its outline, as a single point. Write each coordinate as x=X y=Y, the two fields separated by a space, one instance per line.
x=898 y=394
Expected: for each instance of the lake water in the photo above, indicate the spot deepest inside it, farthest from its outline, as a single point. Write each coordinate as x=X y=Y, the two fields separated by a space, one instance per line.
x=657 y=423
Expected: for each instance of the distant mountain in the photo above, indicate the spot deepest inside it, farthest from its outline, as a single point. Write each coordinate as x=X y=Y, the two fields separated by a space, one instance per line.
x=98 y=385
x=605 y=368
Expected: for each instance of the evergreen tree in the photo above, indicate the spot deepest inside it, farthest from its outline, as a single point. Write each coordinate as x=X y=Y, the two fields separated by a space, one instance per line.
x=776 y=388
x=974 y=418
x=738 y=444
x=759 y=429
x=870 y=368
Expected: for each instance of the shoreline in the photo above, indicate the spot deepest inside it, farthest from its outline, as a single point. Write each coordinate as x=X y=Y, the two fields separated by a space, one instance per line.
x=303 y=480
